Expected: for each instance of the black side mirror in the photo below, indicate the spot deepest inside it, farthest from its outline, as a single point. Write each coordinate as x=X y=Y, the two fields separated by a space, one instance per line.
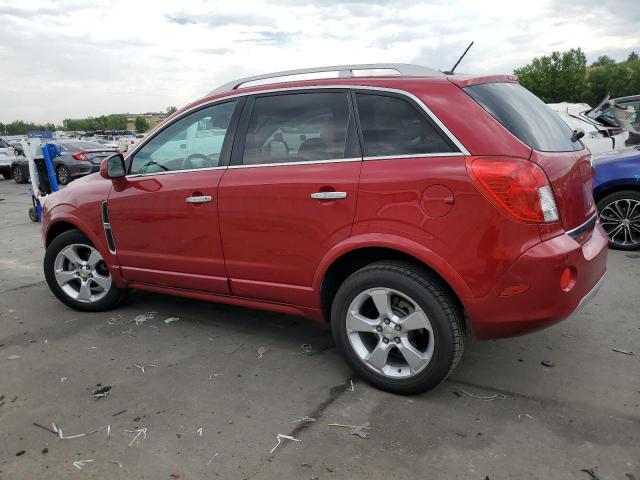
x=113 y=167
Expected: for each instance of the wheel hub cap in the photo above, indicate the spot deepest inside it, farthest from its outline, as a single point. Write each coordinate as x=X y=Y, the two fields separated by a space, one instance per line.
x=81 y=273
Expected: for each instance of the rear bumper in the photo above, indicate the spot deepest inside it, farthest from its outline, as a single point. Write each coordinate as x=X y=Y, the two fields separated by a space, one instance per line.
x=544 y=302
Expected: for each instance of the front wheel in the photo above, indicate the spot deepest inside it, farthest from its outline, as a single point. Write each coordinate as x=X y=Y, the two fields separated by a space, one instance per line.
x=78 y=275
x=398 y=327
x=620 y=218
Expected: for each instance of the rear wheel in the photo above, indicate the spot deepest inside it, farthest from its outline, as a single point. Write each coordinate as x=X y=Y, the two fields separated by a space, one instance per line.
x=78 y=275
x=18 y=175
x=620 y=218
x=62 y=175
x=398 y=327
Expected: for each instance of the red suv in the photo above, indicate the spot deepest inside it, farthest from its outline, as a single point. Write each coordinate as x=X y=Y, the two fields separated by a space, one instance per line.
x=398 y=203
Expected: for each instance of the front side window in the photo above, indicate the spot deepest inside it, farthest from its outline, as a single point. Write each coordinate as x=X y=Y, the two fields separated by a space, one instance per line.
x=297 y=127
x=392 y=126
x=193 y=142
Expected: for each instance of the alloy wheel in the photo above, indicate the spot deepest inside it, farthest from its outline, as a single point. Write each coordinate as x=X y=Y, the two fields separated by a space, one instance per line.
x=390 y=333
x=63 y=175
x=82 y=273
x=621 y=221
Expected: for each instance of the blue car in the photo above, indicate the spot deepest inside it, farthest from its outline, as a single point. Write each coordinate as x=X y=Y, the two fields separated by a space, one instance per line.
x=616 y=190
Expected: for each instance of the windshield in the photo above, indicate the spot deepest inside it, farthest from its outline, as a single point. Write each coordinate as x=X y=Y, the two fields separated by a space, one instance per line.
x=525 y=116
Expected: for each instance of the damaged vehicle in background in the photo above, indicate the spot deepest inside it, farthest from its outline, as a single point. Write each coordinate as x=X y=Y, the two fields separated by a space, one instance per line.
x=624 y=112
x=599 y=137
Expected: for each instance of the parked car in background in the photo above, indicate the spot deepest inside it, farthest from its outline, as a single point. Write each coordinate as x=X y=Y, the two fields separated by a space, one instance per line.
x=598 y=136
x=617 y=193
x=106 y=143
x=78 y=158
x=632 y=105
x=7 y=156
x=402 y=208
x=17 y=147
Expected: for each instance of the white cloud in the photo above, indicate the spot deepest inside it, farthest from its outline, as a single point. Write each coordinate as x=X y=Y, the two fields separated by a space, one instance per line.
x=69 y=58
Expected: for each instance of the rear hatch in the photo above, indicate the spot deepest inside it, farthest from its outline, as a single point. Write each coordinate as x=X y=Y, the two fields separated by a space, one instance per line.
x=564 y=160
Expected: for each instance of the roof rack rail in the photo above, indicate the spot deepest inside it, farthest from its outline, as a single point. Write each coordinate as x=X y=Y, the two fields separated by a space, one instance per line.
x=401 y=69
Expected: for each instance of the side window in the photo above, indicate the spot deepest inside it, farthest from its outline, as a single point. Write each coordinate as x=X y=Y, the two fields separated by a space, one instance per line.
x=392 y=126
x=194 y=141
x=297 y=127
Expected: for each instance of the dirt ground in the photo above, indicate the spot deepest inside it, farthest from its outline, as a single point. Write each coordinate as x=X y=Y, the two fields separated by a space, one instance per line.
x=208 y=406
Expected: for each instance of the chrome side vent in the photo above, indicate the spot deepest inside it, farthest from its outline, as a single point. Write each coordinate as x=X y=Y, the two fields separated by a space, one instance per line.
x=107 y=228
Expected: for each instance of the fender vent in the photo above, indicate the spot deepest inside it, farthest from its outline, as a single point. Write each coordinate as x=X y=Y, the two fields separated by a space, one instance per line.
x=107 y=228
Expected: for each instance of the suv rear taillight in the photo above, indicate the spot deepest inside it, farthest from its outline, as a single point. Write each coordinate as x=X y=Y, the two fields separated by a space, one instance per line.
x=516 y=186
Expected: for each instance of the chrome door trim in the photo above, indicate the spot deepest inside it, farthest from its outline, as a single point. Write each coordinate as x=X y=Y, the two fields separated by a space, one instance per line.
x=136 y=175
x=328 y=195
x=417 y=155
x=306 y=162
x=222 y=99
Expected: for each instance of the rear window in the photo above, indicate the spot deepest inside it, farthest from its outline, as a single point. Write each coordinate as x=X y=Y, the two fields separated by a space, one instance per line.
x=76 y=146
x=525 y=116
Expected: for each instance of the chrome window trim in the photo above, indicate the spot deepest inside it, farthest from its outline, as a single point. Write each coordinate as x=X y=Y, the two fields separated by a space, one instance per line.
x=305 y=162
x=226 y=98
x=416 y=155
x=136 y=175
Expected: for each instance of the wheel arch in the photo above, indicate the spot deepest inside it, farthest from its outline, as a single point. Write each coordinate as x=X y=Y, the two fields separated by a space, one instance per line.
x=615 y=186
x=355 y=253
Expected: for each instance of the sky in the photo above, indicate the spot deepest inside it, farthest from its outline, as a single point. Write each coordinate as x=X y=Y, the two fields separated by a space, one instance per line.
x=72 y=59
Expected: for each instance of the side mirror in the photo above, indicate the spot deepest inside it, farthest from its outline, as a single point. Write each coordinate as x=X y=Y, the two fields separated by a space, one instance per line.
x=113 y=167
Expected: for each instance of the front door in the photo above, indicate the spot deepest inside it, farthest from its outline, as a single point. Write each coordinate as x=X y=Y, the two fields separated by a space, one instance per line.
x=164 y=216
x=290 y=194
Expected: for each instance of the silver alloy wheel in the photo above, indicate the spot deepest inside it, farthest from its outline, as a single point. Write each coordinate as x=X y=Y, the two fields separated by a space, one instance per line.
x=390 y=333
x=81 y=273
x=63 y=175
x=621 y=220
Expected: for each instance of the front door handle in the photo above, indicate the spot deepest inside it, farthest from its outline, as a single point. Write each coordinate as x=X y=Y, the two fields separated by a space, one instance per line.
x=328 y=195
x=199 y=199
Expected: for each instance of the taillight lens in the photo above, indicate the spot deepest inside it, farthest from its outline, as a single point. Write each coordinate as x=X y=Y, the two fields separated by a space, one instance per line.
x=517 y=186
x=80 y=156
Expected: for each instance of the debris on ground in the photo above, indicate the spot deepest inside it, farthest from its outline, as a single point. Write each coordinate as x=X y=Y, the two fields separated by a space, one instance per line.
x=13 y=357
x=280 y=437
x=591 y=473
x=357 y=430
x=81 y=463
x=171 y=319
x=140 y=319
x=61 y=436
x=119 y=413
x=20 y=453
x=101 y=392
x=138 y=432
x=142 y=367
x=55 y=432
x=63 y=379
x=482 y=397
x=262 y=351
x=520 y=415
x=199 y=432
x=547 y=363
x=44 y=451
x=211 y=459
x=117 y=463
x=304 y=419
x=351 y=389
x=214 y=375
x=129 y=332
x=619 y=350
x=307 y=349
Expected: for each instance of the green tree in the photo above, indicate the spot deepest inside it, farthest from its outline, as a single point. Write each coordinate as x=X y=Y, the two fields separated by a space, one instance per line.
x=559 y=77
x=633 y=56
x=171 y=110
x=142 y=124
x=116 y=122
x=603 y=60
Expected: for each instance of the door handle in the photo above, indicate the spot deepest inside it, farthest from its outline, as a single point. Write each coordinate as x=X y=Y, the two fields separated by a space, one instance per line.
x=328 y=195
x=199 y=199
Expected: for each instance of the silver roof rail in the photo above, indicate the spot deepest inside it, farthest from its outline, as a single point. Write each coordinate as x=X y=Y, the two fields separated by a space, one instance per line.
x=402 y=69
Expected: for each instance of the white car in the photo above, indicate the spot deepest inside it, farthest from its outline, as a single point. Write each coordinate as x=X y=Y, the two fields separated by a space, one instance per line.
x=598 y=137
x=7 y=155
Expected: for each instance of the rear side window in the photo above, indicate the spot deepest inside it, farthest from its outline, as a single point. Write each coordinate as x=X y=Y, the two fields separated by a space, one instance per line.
x=298 y=127
x=392 y=126
x=525 y=116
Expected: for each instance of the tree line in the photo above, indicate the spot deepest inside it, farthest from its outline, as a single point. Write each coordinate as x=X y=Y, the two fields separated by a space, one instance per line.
x=565 y=77
x=103 y=122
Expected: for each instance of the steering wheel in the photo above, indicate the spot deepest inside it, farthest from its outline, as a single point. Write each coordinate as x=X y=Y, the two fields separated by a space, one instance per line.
x=145 y=167
x=187 y=163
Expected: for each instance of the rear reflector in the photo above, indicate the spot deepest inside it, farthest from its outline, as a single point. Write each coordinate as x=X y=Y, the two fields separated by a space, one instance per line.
x=516 y=186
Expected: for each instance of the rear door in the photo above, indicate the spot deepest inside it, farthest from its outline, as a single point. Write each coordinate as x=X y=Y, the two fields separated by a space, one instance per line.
x=164 y=215
x=290 y=194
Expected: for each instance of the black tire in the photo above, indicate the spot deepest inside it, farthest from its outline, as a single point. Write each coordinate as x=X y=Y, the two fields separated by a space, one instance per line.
x=431 y=296
x=18 y=175
x=113 y=295
x=33 y=214
x=62 y=175
x=618 y=240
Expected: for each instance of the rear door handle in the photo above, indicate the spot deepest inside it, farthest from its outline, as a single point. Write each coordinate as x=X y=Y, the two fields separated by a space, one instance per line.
x=199 y=199
x=328 y=195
